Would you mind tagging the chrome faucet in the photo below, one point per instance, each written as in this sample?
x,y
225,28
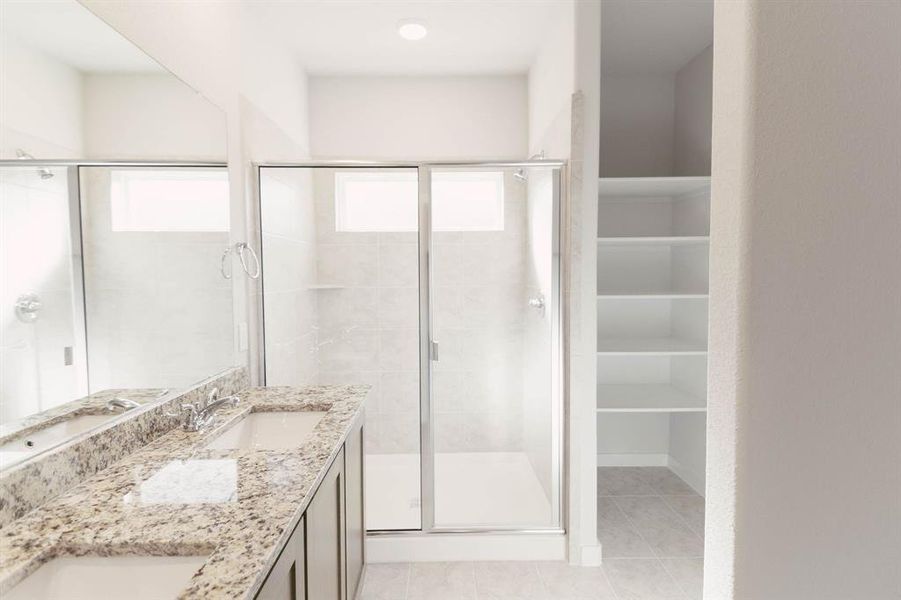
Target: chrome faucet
x,y
195,417
121,403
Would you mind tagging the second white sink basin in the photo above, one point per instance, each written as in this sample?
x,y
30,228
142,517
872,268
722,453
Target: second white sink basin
x,y
268,431
24,447
95,577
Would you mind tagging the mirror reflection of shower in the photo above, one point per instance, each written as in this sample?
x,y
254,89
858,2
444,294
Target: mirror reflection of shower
x,y
43,172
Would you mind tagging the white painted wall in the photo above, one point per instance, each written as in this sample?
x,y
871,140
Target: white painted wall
x,y
40,103
551,85
147,116
581,242
637,114
804,485
693,116
411,118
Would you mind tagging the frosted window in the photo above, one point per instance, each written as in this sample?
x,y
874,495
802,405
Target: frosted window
x,y
461,201
169,200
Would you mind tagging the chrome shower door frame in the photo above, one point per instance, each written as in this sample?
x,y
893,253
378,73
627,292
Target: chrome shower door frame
x,y
427,342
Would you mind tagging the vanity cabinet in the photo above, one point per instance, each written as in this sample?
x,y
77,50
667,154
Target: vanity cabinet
x,y
325,537
356,533
286,580
323,559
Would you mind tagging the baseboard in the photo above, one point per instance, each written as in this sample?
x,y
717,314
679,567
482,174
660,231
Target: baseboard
x,y
589,556
633,460
692,478
435,547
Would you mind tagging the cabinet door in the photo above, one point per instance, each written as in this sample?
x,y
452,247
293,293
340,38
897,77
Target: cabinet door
x,y
286,579
353,474
325,537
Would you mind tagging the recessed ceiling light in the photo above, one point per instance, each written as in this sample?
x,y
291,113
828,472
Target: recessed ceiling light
x,y
411,29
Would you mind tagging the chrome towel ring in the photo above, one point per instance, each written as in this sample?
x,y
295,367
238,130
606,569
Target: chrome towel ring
x,y
243,248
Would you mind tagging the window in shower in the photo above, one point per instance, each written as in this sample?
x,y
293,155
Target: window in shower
x,y
461,201
181,199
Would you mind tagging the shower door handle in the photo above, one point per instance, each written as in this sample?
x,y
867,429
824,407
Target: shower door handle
x,y
433,350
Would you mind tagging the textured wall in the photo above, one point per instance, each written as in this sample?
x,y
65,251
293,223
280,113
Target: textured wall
x,y
804,491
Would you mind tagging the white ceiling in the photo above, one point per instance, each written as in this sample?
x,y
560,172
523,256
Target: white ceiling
x,y
653,36
70,33
359,37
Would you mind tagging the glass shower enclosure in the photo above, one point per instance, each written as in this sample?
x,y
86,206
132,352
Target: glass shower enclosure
x,y
439,286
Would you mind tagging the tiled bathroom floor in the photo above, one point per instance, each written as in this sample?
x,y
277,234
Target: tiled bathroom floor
x,y
650,519
651,526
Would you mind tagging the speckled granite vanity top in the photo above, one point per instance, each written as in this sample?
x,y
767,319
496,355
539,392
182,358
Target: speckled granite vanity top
x,y
174,497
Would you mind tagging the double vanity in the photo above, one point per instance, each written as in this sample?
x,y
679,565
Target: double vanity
x,y
264,499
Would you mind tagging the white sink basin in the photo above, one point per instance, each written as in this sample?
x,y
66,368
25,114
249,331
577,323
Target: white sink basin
x,y
24,447
268,431
94,577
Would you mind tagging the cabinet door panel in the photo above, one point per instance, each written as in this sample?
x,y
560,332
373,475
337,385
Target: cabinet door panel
x,y
353,475
325,537
281,583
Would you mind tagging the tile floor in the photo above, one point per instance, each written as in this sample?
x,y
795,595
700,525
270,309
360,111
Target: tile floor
x,y
651,526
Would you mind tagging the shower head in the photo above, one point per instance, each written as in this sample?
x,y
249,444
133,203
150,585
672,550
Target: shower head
x,y
43,172
520,173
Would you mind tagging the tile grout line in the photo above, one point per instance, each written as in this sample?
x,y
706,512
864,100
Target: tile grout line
x,y
681,518
407,582
656,557
632,523
678,585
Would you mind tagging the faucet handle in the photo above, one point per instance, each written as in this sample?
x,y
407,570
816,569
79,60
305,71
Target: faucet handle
x,y
211,397
187,413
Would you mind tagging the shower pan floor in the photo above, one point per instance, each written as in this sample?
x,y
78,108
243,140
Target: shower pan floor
x,y
472,489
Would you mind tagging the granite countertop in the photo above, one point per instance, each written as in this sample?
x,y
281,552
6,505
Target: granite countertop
x,y
173,497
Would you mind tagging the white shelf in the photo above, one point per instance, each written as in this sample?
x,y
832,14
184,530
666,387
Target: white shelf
x,y
325,286
668,346
612,397
670,240
653,296
651,186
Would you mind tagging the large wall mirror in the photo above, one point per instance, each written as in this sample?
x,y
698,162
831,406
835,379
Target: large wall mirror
x,y
116,284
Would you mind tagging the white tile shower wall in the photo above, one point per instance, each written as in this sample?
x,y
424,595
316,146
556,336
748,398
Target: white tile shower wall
x,y
369,327
34,244
289,246
369,320
159,313
479,281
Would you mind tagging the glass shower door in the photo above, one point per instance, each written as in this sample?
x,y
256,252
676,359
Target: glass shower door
x,y
495,416
341,305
